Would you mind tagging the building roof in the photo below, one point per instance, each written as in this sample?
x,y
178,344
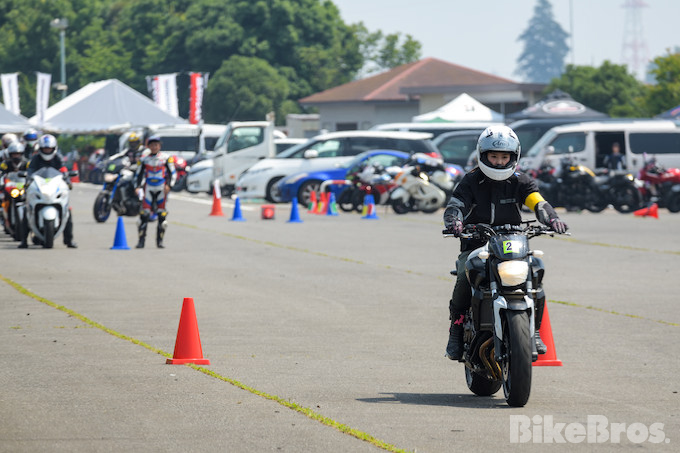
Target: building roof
x,y
393,85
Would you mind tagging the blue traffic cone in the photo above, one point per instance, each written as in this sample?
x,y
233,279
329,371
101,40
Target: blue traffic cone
x,y
332,208
294,215
237,216
120,241
369,207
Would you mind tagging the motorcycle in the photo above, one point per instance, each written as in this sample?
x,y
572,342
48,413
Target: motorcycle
x,y
573,187
182,168
13,204
620,189
506,279
418,191
373,180
660,185
118,193
47,196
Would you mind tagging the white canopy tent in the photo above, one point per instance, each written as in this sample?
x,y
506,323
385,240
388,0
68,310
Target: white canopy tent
x,y
462,108
9,122
104,107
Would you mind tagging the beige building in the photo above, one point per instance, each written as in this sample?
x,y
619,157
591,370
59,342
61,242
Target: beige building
x,y
397,95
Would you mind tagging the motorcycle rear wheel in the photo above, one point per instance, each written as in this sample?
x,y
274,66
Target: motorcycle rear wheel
x,y
625,199
48,243
102,207
345,200
516,367
400,207
480,385
673,203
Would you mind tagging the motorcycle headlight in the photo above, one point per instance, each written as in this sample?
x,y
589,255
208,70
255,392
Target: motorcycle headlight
x,y
14,193
110,177
513,273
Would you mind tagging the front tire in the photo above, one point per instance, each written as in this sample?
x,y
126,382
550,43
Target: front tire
x,y
49,234
516,367
673,203
102,207
399,206
625,199
480,385
345,199
273,195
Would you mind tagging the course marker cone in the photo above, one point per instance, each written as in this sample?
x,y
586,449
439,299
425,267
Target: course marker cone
x,y
369,208
237,216
120,241
76,178
651,211
332,207
550,357
217,200
312,203
294,215
323,201
188,344
268,212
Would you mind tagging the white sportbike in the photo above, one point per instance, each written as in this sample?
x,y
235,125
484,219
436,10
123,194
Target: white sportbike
x,y
47,198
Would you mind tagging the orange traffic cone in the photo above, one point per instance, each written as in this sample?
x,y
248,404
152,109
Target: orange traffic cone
x,y
76,178
188,343
217,200
550,357
652,211
323,203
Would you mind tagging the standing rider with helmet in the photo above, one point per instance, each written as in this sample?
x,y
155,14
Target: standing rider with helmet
x,y
48,157
155,176
492,193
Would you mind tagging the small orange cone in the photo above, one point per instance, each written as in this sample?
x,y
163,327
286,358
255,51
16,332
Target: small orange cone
x,y
76,178
323,203
217,201
652,211
550,357
188,344
312,202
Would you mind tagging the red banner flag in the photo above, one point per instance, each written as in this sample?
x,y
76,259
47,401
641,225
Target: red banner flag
x,y
198,83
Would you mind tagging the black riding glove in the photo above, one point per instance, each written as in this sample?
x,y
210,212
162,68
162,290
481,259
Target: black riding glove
x,y
547,216
452,222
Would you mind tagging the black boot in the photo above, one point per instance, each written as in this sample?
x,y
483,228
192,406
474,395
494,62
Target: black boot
x,y
541,348
160,232
140,243
68,233
454,348
143,222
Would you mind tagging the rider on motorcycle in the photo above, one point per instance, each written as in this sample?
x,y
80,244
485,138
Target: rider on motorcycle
x,y
491,193
155,176
14,162
30,140
132,154
48,157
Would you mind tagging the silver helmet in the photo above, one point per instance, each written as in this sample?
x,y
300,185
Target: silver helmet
x,y
502,139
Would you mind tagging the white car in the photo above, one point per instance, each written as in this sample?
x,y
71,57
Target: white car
x,y
324,151
200,176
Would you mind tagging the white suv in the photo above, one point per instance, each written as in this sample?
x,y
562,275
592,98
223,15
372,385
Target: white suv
x,y
324,151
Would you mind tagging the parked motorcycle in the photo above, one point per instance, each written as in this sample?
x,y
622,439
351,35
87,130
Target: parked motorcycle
x,y
373,179
660,185
13,204
572,187
620,189
118,192
182,168
419,191
506,279
47,196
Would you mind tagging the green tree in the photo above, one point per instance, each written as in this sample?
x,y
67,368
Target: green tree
x,y
665,94
609,89
244,88
545,46
382,52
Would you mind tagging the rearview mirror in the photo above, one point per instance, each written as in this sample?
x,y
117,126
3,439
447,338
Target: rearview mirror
x,y
311,154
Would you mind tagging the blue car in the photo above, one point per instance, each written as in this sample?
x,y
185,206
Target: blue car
x,y
301,185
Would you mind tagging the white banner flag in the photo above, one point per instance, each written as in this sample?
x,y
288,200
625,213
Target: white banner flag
x,y
10,92
42,98
163,88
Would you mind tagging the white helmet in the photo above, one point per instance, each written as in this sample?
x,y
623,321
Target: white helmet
x,y
48,146
502,139
7,139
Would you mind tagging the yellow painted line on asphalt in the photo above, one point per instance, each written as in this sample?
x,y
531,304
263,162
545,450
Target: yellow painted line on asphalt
x,y
286,403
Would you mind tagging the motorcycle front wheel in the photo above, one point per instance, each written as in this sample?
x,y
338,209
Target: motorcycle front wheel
x,y
480,385
102,207
625,199
673,203
399,206
516,366
345,200
48,243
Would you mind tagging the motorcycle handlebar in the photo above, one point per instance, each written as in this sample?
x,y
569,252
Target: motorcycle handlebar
x,y
485,231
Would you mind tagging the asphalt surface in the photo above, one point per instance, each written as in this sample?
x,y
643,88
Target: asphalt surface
x,y
325,335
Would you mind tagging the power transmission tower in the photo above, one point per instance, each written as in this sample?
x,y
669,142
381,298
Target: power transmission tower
x,y
634,51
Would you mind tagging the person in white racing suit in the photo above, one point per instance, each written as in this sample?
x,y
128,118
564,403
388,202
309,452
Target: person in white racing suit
x,y
154,178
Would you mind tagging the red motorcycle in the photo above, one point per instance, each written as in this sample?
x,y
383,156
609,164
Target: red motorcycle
x,y
661,185
370,180
182,169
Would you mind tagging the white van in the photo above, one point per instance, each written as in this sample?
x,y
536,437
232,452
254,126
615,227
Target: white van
x,y
242,145
435,128
188,140
588,143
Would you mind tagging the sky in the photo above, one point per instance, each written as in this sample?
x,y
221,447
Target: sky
x,y
482,34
